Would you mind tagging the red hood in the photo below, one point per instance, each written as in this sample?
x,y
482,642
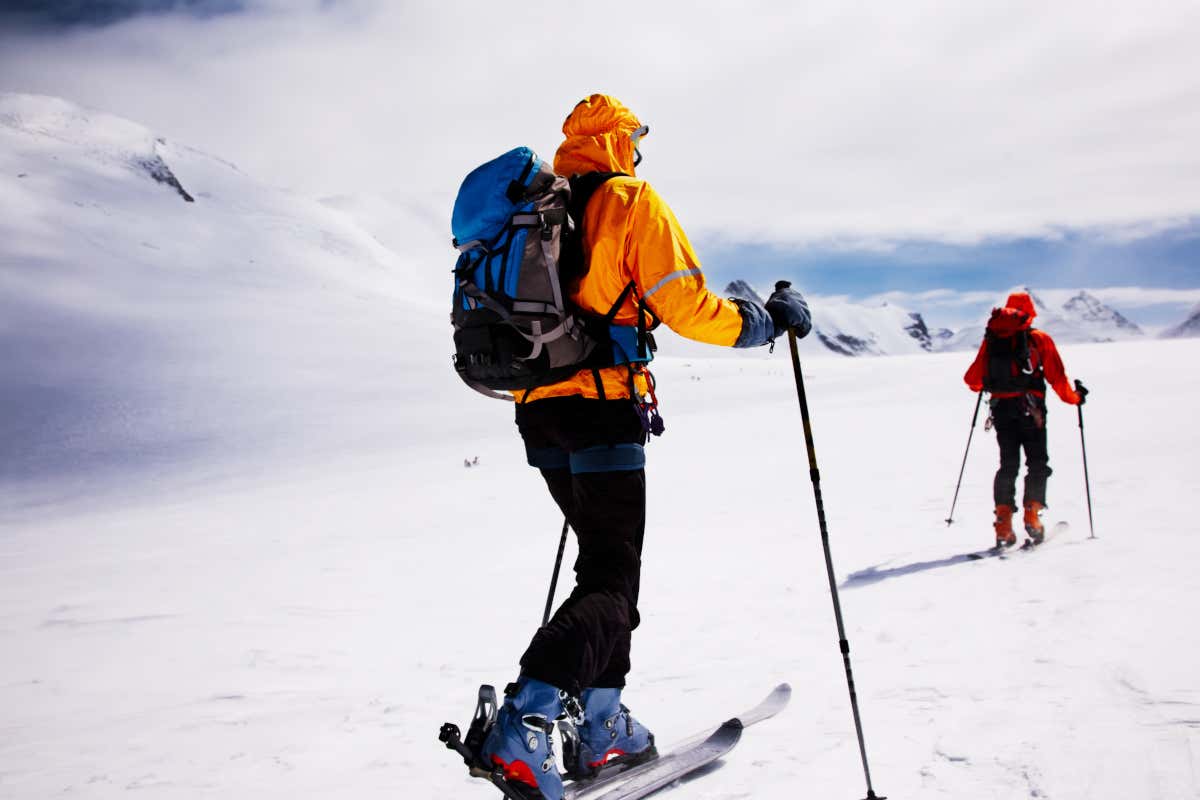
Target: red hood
x,y
1021,301
1017,315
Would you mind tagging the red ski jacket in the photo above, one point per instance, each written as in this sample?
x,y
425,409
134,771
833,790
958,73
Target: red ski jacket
x,y
1042,348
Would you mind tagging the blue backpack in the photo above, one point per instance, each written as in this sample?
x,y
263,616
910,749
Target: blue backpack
x,y
519,249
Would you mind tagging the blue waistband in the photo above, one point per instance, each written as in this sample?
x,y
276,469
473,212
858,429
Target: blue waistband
x,y
604,458
608,458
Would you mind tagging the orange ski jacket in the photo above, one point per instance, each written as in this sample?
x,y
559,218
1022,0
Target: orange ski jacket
x,y
1040,343
630,234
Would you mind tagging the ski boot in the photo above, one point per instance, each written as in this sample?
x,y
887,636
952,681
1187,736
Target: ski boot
x,y
1033,522
1005,537
519,742
609,735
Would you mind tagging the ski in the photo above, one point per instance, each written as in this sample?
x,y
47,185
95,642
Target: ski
x,y
624,781
653,775
1028,544
991,552
1058,529
684,759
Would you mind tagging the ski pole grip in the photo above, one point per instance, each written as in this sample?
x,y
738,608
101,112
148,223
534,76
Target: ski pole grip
x,y
1081,390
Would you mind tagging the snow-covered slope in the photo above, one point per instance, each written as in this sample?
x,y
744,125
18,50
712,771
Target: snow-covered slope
x,y
1188,328
138,326
305,633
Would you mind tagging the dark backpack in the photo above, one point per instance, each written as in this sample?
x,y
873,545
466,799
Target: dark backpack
x,y
1013,366
517,226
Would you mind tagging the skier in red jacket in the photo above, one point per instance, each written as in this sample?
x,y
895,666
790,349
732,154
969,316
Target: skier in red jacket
x,y
1014,364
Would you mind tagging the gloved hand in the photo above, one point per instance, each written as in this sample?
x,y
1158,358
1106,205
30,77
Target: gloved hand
x,y
1081,390
788,310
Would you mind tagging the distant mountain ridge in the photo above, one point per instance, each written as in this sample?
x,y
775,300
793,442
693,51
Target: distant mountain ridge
x,y
856,329
1187,329
1082,318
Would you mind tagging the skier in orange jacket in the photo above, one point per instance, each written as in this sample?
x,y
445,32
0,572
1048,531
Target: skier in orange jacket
x,y
1014,363
586,435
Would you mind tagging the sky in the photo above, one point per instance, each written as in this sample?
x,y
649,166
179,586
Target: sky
x,y
857,149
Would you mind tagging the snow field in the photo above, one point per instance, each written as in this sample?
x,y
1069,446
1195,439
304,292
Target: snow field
x,y
306,633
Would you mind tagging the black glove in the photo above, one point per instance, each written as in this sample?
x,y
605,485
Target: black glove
x,y
788,310
1081,390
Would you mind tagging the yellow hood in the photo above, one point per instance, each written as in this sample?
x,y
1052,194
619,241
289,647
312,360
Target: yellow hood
x,y
597,138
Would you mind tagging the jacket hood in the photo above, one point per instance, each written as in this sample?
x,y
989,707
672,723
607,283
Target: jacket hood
x,y
1021,301
597,135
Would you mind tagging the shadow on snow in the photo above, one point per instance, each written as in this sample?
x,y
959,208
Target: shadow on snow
x,y
870,575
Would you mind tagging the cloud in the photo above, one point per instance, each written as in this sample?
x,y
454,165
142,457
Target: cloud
x,y
66,13
943,299
775,122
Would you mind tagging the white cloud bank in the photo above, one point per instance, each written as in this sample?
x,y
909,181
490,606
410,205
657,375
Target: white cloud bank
x,y
792,122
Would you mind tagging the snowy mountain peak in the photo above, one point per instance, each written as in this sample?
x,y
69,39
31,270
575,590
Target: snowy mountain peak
x,y
1189,328
1088,310
110,143
743,291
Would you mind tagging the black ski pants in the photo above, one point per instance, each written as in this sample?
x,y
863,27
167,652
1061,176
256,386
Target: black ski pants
x,y
590,455
1016,429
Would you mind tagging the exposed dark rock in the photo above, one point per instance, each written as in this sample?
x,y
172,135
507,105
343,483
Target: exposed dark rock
x,y
157,168
846,345
919,331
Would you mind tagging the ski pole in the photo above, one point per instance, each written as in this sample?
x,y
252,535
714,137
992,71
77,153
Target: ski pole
x,y
562,543
962,469
1087,484
843,643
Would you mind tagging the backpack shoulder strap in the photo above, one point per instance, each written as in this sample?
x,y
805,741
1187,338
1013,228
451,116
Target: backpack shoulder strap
x,y
573,263
582,189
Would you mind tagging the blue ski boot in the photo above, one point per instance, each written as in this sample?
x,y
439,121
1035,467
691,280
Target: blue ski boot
x,y
609,734
519,742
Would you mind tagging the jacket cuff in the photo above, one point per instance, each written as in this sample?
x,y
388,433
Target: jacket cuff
x,y
757,327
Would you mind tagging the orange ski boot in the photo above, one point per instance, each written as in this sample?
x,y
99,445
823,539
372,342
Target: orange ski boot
x,y
1003,525
1033,522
